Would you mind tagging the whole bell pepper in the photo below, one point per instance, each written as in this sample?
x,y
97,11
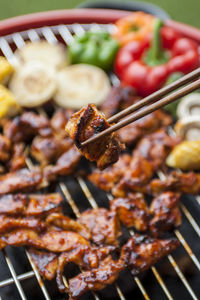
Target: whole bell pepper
x,y
146,65
94,48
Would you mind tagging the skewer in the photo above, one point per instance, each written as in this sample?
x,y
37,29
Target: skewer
x,y
147,110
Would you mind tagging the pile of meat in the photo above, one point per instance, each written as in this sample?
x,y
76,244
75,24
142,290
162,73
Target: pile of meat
x,y
36,220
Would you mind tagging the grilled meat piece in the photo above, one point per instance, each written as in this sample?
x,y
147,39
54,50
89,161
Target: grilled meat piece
x,y
107,179
5,148
166,213
95,279
18,158
185,183
64,222
142,251
64,166
53,241
24,127
8,223
22,237
47,150
148,156
156,147
30,205
132,211
46,263
85,257
39,205
137,174
60,119
131,133
13,204
118,99
21,180
86,123
103,225
62,241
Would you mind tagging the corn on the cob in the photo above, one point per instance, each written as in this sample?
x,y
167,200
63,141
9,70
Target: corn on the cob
x,y
6,70
8,104
185,156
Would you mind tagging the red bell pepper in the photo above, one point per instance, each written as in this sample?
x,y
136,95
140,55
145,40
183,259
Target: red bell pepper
x,y
147,65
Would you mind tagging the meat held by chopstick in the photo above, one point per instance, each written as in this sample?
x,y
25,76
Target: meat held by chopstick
x,y
21,180
166,213
142,251
131,133
37,205
85,124
103,225
46,263
132,211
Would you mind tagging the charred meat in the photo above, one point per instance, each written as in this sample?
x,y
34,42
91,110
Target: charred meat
x,y
166,213
132,211
85,124
142,251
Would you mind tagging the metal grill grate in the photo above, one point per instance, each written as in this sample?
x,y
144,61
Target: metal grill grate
x,y
185,288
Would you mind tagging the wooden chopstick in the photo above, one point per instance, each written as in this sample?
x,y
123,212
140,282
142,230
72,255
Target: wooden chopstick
x,y
147,110
155,96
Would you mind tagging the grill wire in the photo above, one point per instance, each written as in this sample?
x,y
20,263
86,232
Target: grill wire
x,y
185,290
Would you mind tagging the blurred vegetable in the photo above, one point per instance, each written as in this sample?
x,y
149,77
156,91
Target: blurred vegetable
x,y
50,54
135,27
33,84
94,48
188,128
185,156
6,70
172,107
8,104
190,105
147,68
81,84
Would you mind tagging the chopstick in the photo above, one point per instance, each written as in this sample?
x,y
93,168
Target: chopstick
x,y
149,109
157,95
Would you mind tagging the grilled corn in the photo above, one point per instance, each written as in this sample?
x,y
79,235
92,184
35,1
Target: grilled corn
x,y
185,156
6,70
8,104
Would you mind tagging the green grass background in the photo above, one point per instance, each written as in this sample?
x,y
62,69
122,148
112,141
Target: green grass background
x,y
187,11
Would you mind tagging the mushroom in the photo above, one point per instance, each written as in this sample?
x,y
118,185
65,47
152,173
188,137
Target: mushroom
x,y
189,128
189,106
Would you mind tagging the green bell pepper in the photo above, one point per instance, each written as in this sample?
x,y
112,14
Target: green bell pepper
x,y
94,48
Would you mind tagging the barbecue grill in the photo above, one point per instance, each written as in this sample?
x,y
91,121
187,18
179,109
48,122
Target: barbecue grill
x,y
177,276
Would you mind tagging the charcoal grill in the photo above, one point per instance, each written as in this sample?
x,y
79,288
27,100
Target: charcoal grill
x,y
175,277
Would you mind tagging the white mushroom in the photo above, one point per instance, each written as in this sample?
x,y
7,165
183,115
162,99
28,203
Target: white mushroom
x,y
189,106
189,128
